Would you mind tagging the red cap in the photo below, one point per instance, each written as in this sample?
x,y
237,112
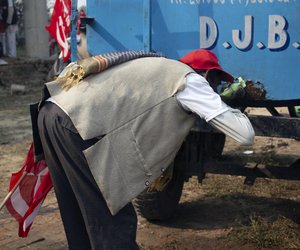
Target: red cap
x,y
205,60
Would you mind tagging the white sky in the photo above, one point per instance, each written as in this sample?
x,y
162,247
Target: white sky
x,y
81,3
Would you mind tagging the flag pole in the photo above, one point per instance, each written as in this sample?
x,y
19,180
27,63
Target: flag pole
x,y
11,192
74,27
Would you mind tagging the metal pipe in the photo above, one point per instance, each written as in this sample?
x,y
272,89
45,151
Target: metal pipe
x,y
74,27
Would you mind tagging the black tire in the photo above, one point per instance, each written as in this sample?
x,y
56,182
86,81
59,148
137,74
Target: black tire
x,y
214,144
155,205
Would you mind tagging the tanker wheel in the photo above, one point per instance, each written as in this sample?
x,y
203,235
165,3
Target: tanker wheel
x,y
156,205
160,205
214,144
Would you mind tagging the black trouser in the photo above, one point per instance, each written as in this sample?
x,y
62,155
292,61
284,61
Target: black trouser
x,y
87,220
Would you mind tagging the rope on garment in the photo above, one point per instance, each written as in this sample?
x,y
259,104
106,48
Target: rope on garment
x,y
76,71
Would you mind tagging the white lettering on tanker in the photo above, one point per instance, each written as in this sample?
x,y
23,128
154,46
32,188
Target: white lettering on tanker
x,y
277,37
237,34
208,32
243,39
244,2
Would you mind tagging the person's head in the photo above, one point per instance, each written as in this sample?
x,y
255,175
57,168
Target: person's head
x,y
206,63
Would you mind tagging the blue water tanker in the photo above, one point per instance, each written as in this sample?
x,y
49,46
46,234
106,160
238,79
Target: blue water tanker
x,y
258,40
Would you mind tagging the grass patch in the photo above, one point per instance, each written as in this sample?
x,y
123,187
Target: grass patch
x,y
281,233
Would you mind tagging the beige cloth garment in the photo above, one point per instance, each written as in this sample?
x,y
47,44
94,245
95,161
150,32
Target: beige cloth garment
x,y
133,105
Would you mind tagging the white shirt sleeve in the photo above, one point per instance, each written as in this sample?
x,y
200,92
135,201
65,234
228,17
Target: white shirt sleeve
x,y
236,125
198,97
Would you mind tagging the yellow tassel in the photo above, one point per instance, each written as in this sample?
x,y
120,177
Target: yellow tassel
x,y
70,76
162,181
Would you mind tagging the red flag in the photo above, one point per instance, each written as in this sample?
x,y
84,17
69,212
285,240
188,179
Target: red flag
x,y
60,26
31,183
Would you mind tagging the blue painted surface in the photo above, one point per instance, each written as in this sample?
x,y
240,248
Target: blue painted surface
x,y
175,30
74,26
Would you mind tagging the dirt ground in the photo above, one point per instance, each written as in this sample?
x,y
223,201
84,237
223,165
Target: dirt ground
x,y
221,213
